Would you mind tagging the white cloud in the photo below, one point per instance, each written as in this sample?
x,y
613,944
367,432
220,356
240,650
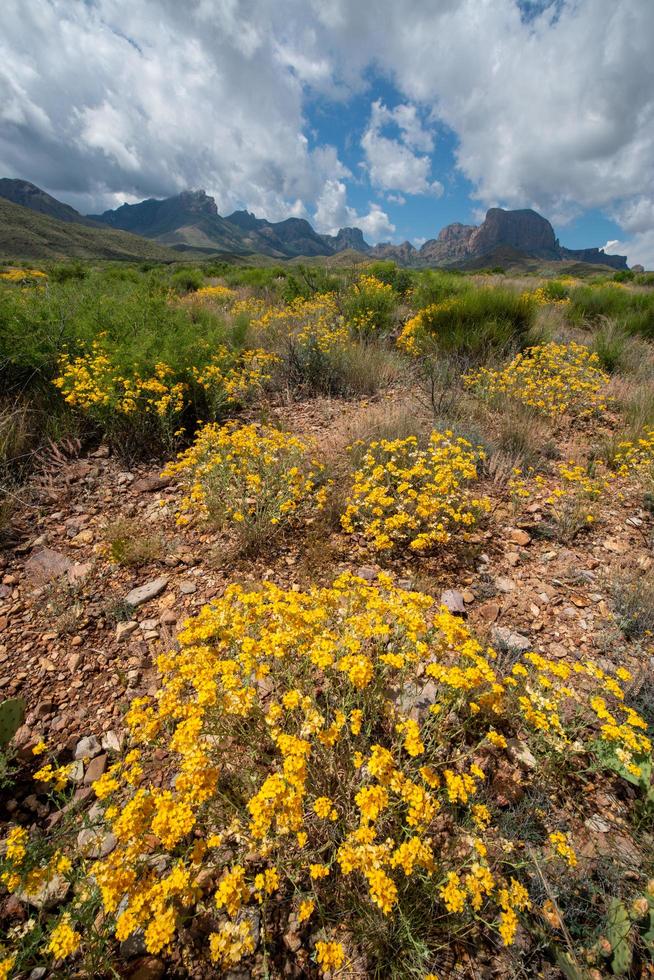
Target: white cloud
x,y
392,163
333,212
110,100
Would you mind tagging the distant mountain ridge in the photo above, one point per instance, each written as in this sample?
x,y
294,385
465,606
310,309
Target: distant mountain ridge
x,y
190,220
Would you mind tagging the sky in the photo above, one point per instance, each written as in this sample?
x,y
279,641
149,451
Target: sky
x,y
398,118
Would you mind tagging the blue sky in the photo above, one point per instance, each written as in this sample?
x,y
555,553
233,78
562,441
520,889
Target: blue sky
x,y
398,118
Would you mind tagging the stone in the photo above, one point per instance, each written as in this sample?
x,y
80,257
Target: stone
x,y
168,617
76,771
149,968
517,536
453,602
125,630
520,753
133,946
146,592
415,701
596,823
78,572
112,741
46,565
187,588
49,896
37,973
95,769
87,747
83,537
503,584
367,573
507,640
95,844
150,483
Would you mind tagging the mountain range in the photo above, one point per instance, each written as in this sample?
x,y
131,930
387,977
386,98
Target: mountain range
x,y
190,221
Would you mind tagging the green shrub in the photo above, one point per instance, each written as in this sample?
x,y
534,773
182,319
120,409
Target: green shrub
x,y
473,323
634,311
434,286
187,280
393,275
67,271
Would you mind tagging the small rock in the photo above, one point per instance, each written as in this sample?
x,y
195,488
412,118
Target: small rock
x,y
150,483
133,946
518,536
149,969
78,572
503,584
146,592
49,896
187,588
83,537
520,753
367,573
94,844
87,747
46,565
453,602
168,617
505,639
95,769
597,824
112,742
37,973
123,630
76,771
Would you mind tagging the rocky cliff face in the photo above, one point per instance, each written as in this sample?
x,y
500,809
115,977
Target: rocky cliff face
x,y
347,238
525,230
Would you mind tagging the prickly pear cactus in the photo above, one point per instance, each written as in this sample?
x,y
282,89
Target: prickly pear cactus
x,y
12,713
618,927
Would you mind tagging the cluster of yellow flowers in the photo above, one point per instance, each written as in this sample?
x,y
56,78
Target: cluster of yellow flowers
x,y
91,382
315,322
220,295
300,772
22,275
404,495
555,379
367,291
230,377
254,478
635,457
548,295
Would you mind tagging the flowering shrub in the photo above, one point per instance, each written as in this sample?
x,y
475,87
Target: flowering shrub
x,y
555,379
569,500
635,457
129,406
22,275
552,293
252,479
229,378
119,402
407,496
221,295
302,779
369,307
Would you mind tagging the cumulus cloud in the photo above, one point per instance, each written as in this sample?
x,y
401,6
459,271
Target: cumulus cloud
x,y
333,212
551,104
393,164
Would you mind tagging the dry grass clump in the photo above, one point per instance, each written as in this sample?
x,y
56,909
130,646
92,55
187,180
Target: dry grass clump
x,y
132,543
633,597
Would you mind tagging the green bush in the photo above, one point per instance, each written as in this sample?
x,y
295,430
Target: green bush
x,y
474,323
393,275
634,311
187,280
369,307
434,286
